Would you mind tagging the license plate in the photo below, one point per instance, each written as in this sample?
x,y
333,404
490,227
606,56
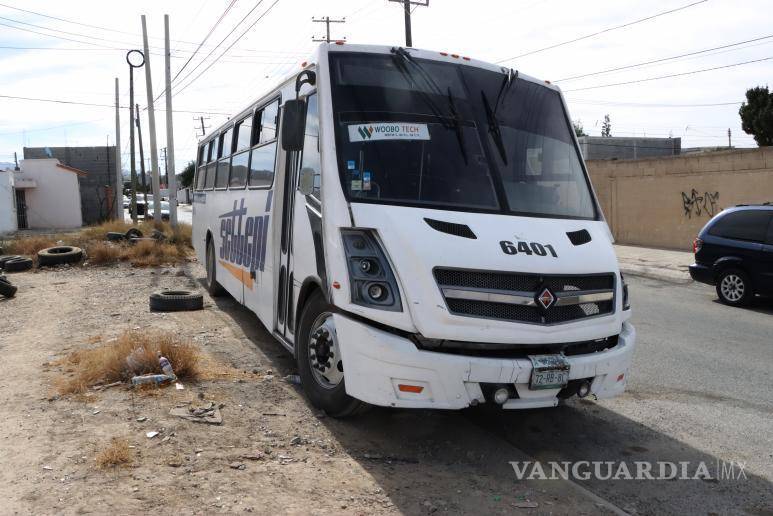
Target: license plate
x,y
548,372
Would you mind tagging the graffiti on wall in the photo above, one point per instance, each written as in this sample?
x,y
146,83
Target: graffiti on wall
x,y
698,204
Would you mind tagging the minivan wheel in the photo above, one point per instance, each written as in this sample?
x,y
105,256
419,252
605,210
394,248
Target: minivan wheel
x,y
318,355
213,287
734,287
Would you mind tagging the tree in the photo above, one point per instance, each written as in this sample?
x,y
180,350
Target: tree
x,y
757,115
579,130
606,127
186,176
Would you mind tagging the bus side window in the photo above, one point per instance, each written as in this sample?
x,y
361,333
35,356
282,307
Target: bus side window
x,y
209,180
268,122
311,158
224,164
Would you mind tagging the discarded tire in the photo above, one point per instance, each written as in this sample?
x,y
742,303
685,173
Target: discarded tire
x,y
176,301
7,257
158,235
17,264
59,255
6,289
115,236
133,233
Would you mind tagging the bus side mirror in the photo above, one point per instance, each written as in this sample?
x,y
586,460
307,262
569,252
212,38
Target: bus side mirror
x,y
293,125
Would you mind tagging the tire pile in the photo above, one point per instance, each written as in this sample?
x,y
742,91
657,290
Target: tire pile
x,y
58,255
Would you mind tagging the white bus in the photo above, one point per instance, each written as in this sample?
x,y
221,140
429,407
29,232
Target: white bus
x,y
419,230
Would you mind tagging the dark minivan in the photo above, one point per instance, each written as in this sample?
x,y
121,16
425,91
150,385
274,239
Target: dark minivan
x,y
734,252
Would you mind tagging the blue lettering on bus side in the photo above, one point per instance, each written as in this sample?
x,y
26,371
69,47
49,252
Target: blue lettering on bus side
x,y
243,239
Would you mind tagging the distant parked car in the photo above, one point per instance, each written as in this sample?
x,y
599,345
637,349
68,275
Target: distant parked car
x,y
734,252
126,202
164,210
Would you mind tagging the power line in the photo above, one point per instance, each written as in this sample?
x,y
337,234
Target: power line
x,y
610,29
221,42
669,75
230,46
327,21
662,59
225,12
641,105
112,106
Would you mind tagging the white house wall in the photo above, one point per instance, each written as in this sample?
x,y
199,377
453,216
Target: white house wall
x,y
7,203
55,201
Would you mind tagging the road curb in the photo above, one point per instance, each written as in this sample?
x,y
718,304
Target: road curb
x,y
660,274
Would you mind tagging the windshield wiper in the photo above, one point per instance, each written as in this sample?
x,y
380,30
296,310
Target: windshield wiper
x,y
491,114
454,117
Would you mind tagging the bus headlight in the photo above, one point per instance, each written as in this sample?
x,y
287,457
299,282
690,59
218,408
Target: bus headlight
x,y
372,281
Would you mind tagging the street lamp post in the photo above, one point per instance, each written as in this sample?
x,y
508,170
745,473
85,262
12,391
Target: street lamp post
x,y
136,59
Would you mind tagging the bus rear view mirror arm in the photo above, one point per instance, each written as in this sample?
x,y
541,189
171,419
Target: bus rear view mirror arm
x,y
293,122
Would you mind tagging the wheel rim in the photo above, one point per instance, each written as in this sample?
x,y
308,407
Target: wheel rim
x,y
732,287
324,352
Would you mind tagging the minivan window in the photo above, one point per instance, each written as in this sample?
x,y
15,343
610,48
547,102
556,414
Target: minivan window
x,y
748,225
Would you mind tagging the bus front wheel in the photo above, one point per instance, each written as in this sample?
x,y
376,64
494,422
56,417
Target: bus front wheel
x,y
318,355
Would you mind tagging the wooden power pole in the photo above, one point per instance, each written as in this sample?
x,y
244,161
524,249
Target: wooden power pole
x,y
407,8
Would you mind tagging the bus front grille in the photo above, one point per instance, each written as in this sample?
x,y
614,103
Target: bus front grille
x,y
515,297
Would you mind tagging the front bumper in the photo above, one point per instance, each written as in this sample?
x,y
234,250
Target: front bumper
x,y
376,362
702,273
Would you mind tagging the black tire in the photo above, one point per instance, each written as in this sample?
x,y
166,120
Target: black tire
x,y
176,301
59,255
734,287
17,264
6,289
7,257
115,236
133,233
214,288
332,399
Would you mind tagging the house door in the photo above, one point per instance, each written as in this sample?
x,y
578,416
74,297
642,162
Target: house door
x,y
21,209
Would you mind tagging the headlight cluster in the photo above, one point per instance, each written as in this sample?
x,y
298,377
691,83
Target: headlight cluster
x,y
626,299
372,281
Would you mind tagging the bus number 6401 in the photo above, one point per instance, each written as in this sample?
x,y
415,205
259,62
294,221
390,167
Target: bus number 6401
x,y
527,248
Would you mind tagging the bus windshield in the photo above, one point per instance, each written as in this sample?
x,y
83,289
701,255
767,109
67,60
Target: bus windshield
x,y
440,135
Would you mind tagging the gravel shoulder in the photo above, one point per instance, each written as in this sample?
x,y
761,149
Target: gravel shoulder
x,y
272,454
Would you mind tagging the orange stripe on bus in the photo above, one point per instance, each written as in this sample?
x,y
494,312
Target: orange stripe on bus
x,y
237,272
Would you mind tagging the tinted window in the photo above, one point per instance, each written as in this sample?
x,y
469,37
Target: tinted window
x,y
225,143
311,158
749,225
210,149
262,165
243,133
268,122
215,146
201,154
200,177
209,182
239,164
223,167
769,239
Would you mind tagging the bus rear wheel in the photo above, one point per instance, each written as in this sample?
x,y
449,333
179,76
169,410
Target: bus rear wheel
x,y
213,287
318,355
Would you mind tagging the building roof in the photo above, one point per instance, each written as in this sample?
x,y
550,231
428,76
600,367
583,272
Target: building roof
x,y
72,169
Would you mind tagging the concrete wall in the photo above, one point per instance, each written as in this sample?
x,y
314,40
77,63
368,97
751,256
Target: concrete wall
x,y
97,185
664,202
7,203
55,202
599,147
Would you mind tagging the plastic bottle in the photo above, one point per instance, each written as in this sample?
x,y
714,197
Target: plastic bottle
x,y
151,378
166,367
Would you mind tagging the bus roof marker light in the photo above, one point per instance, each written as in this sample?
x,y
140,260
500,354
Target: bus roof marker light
x,y
444,53
465,58
455,56
336,285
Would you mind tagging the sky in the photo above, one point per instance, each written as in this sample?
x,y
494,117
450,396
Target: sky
x,y
74,50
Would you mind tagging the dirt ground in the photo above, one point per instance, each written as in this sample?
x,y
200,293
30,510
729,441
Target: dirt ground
x,y
273,453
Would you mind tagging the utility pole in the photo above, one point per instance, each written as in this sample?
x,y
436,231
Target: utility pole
x,y
135,59
166,168
729,143
142,162
407,8
327,21
118,174
151,127
171,184
203,127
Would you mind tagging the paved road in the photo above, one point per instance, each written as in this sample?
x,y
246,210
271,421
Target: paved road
x,y
700,390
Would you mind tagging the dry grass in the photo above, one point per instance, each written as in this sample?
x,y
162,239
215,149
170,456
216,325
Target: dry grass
x,y
28,246
107,363
99,251
117,453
